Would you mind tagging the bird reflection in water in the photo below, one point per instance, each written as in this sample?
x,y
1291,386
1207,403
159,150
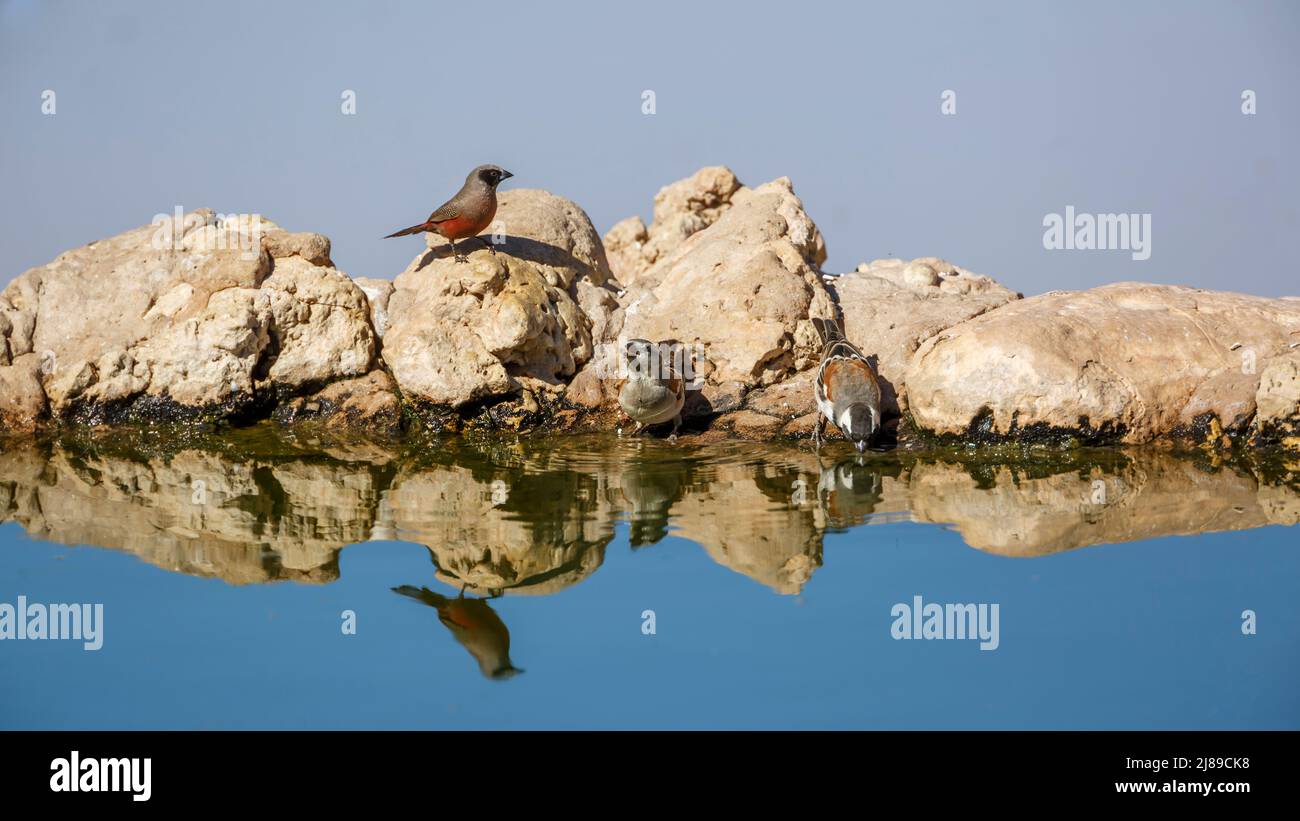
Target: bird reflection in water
x,y
848,490
475,625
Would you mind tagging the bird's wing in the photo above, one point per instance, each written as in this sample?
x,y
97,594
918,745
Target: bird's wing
x,y
849,377
446,211
675,386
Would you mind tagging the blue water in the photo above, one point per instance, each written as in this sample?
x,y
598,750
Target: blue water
x,y
1135,635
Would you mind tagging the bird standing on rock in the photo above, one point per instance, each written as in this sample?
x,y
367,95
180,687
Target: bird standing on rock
x,y
466,214
653,392
846,389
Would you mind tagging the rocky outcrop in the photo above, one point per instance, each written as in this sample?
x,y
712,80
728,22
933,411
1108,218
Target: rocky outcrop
x,y
1122,363
209,319
189,318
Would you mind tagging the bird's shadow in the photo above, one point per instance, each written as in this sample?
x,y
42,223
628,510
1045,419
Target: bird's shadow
x,y
523,248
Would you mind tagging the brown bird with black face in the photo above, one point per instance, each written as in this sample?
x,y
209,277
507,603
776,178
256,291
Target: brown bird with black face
x,y
466,214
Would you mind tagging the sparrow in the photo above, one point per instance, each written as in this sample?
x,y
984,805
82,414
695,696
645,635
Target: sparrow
x,y
466,214
475,625
653,392
846,389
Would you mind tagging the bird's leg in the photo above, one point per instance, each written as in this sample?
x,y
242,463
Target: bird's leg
x,y
492,248
677,423
817,431
457,255
637,430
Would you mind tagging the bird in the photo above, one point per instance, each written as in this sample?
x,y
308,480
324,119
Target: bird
x,y
653,391
846,389
466,214
475,625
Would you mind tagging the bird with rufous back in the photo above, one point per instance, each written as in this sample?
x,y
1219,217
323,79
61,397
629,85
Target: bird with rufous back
x,y
468,213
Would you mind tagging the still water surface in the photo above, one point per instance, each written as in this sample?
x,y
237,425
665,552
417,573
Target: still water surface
x,y
529,575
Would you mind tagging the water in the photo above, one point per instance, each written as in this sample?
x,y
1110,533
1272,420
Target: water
x,y
225,567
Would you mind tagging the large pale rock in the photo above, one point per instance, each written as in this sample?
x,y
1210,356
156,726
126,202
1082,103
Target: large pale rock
x,y
1127,362
681,209
738,294
463,332
189,316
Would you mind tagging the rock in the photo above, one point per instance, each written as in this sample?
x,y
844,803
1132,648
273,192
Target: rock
x,y
738,294
681,210
1128,362
22,399
750,424
367,402
625,244
461,333
1277,402
313,248
191,317
378,292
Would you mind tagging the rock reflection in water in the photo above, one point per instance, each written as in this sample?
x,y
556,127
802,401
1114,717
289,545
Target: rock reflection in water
x,y
535,516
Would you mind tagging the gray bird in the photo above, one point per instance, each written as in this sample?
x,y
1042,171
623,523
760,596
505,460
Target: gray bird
x,y
653,392
466,214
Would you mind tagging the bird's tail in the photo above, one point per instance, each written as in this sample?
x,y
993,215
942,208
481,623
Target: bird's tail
x,y
414,229
829,329
421,594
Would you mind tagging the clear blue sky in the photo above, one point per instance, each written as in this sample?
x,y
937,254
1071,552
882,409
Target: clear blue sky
x,y
1106,106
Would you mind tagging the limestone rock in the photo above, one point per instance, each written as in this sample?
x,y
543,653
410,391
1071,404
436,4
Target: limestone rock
x,y
738,295
1277,402
368,402
681,209
1128,362
378,292
190,316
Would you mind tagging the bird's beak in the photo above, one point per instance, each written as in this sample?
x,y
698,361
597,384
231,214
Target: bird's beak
x,y
861,445
505,175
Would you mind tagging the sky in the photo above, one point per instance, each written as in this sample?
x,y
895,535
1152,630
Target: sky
x,y
1104,107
